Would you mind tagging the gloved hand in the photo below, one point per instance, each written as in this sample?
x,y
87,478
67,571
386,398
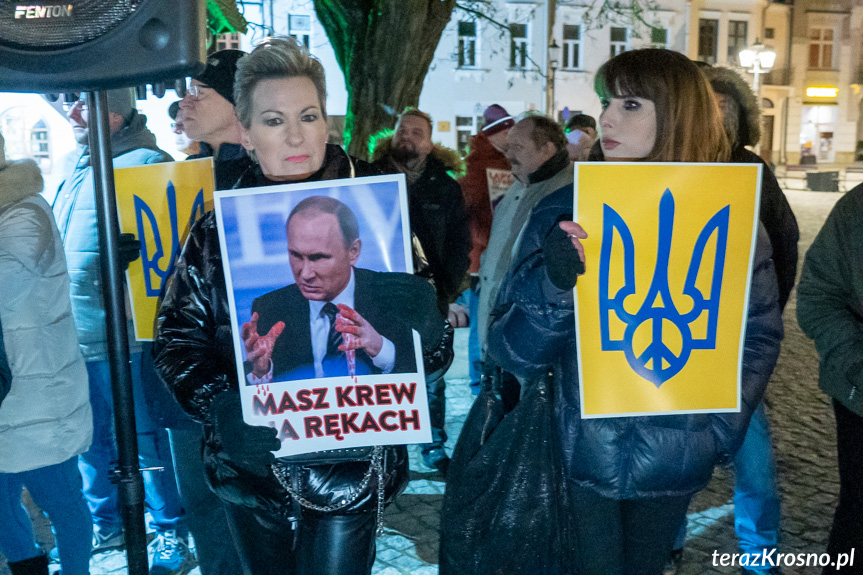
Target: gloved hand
x,y
248,446
562,262
129,248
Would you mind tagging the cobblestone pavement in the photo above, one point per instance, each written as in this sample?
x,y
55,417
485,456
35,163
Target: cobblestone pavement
x,y
804,436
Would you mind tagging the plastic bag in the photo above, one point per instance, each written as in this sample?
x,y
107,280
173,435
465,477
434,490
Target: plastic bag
x,y
505,511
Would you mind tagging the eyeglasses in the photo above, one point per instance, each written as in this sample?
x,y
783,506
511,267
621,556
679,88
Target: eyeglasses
x,y
197,93
80,104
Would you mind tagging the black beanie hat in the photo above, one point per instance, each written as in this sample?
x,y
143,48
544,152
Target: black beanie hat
x,y
219,73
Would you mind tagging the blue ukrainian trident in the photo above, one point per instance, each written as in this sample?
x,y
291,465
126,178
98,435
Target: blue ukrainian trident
x,y
666,328
156,265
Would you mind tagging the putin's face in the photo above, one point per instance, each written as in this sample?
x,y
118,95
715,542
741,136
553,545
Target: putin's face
x,y
319,258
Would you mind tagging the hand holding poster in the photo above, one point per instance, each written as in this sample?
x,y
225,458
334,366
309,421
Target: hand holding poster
x,y
325,351
158,203
661,310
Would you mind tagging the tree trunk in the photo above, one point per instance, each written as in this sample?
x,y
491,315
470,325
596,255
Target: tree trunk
x,y
384,48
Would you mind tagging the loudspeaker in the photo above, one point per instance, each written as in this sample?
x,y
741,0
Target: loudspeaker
x,y
86,45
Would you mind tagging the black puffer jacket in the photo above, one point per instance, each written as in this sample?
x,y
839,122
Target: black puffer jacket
x,y
533,332
195,357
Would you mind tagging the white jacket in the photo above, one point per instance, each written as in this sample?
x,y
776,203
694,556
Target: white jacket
x,y
46,417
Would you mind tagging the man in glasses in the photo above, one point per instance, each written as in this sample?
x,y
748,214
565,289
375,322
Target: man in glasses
x,y
209,117
132,144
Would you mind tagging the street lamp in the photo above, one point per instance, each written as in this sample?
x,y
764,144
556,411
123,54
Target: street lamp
x,y
553,61
758,59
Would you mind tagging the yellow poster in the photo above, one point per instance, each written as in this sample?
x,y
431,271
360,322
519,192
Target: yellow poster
x,y
661,308
159,203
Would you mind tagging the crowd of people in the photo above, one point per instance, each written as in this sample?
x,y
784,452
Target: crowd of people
x,y
494,250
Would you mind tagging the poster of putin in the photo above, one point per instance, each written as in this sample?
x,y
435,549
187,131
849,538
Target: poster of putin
x,y
324,347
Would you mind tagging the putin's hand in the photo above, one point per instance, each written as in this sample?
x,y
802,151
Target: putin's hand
x,y
259,348
366,336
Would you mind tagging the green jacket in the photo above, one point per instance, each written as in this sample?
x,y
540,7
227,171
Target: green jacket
x,y
830,301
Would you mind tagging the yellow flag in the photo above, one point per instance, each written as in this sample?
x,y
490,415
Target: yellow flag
x,y
159,203
661,309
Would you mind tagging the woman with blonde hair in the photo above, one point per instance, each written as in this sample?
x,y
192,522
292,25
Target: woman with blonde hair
x,y
316,515
630,479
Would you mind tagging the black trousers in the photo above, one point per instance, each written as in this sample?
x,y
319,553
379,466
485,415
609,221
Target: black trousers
x,y
624,537
327,544
847,531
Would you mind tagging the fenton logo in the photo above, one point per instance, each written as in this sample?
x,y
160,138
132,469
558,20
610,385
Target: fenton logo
x,y
37,12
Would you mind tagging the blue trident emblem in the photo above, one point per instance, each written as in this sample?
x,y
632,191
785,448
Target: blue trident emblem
x,y
151,262
658,362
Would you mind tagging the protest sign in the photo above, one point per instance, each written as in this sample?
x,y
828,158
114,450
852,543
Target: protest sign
x,y
300,260
661,310
158,203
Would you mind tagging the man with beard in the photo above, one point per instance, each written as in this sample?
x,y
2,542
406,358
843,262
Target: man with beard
x,y
440,222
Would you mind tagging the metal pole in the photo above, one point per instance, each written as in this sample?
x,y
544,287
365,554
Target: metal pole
x,y
127,476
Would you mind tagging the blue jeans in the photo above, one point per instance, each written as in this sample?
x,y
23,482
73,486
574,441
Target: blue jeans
x,y
56,489
160,487
474,354
756,498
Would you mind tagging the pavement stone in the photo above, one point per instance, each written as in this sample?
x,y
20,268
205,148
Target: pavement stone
x,y
804,437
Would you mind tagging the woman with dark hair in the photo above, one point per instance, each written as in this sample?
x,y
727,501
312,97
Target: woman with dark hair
x,y
286,516
630,479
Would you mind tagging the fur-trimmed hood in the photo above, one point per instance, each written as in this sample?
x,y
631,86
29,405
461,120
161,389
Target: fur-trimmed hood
x,y
446,156
19,180
728,82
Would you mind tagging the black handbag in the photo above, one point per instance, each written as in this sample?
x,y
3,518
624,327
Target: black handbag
x,y
506,509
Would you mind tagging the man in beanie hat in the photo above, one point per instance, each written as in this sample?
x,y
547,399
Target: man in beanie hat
x,y
209,117
488,176
132,144
580,135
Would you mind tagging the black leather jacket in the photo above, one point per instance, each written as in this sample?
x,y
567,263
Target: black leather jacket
x,y
195,357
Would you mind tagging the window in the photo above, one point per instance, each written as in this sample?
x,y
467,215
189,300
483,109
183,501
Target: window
x,y
571,46
737,39
300,28
769,33
659,37
466,44
821,48
518,56
229,41
619,41
466,127
708,34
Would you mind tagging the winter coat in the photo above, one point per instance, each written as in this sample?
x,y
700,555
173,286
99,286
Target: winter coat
x,y
195,357
231,163
779,221
45,419
776,214
830,301
483,156
533,332
510,217
438,217
75,212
